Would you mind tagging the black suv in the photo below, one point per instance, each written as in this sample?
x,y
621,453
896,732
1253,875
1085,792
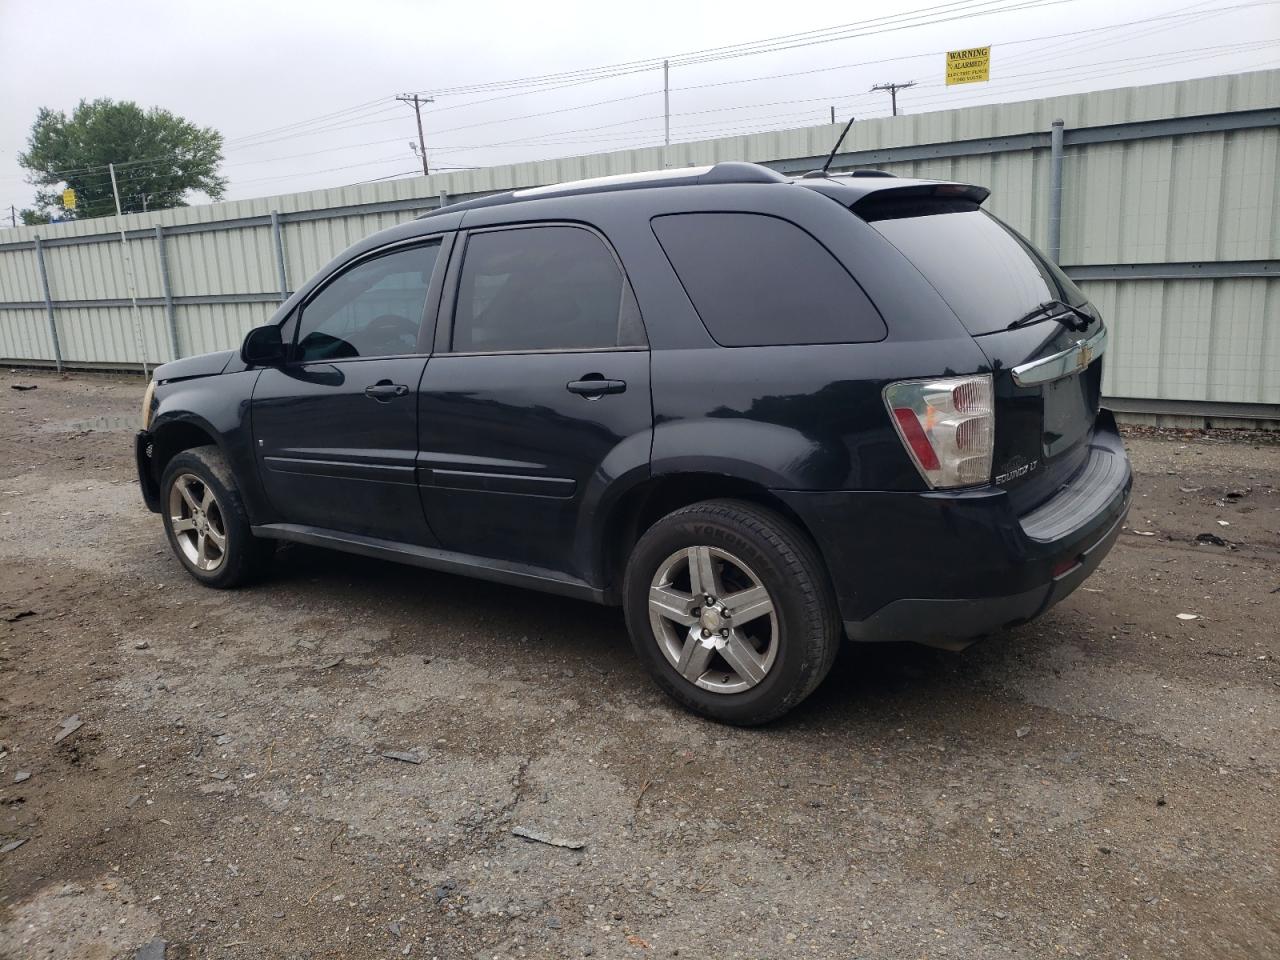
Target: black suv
x,y
761,413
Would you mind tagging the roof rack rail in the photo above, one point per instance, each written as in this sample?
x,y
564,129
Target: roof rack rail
x,y
739,171
726,171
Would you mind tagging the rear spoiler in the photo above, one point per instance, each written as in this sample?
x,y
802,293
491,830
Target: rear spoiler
x,y
889,195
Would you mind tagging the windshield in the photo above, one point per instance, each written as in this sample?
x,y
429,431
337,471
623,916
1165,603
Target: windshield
x,y
988,274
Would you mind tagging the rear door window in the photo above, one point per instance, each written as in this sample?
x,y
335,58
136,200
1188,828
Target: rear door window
x,y
542,288
988,273
758,280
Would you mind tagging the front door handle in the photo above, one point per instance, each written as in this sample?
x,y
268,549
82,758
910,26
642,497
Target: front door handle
x,y
384,390
594,386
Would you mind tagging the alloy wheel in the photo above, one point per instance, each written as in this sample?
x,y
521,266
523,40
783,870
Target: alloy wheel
x,y
197,522
713,619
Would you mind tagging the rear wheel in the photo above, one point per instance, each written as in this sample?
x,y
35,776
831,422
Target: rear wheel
x,y
729,606
205,520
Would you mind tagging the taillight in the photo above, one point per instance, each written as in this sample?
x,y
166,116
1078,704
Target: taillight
x,y
947,425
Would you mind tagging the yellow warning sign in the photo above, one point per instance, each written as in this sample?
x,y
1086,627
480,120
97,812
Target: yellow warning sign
x,y
68,199
969,66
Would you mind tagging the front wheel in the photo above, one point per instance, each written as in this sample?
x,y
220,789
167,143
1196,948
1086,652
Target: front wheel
x,y
729,606
206,522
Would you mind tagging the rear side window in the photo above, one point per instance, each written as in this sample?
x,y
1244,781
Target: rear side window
x,y
542,288
756,280
988,273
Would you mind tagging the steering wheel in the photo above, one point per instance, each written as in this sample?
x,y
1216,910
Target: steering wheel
x,y
392,329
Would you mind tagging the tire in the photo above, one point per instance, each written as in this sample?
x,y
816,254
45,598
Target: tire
x,y
213,506
748,547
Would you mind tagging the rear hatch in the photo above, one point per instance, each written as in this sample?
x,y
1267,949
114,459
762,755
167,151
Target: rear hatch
x,y
995,281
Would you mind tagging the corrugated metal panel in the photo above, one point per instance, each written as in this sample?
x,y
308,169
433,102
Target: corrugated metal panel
x,y
99,272
1213,340
19,277
112,334
24,335
230,261
203,328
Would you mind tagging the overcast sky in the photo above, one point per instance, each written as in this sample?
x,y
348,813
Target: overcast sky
x,y
247,68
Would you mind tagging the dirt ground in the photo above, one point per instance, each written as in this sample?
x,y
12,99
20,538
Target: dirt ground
x,y
1101,783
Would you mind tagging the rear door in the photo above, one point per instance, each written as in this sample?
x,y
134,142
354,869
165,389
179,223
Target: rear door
x,y
537,396
1048,372
336,427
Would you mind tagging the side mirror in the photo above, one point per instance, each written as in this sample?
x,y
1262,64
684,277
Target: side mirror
x,y
263,347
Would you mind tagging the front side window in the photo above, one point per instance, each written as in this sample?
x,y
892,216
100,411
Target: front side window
x,y
542,288
374,309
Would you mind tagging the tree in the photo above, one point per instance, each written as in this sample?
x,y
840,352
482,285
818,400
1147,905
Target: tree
x,y
159,157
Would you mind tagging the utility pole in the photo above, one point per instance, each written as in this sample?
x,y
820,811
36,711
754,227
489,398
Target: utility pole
x,y
417,102
13,215
666,103
128,266
833,115
893,89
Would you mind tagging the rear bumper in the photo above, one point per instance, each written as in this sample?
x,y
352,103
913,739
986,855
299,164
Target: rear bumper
x,y
944,568
142,451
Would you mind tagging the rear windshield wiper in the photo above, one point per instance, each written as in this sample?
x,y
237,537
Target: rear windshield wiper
x,y
1068,311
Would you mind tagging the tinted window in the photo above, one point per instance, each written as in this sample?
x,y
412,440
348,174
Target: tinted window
x,y
757,280
988,274
372,310
542,288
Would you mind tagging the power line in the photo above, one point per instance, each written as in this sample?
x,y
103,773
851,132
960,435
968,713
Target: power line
x,y
362,114
883,24
1073,33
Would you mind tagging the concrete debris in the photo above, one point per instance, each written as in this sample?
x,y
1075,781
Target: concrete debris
x,y
402,756
69,726
21,775
527,834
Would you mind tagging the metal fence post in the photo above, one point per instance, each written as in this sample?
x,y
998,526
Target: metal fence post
x,y
167,291
277,234
48,304
1055,191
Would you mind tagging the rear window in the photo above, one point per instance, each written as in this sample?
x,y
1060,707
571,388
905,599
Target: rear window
x,y
988,273
756,280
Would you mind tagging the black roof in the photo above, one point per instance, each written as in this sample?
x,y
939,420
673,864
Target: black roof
x,y
853,186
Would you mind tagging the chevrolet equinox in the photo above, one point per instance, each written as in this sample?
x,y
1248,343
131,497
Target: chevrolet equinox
x,y
762,414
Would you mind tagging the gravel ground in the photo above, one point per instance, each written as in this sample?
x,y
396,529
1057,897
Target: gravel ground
x,y
1101,783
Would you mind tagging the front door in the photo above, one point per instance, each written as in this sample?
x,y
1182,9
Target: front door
x,y
336,428
537,397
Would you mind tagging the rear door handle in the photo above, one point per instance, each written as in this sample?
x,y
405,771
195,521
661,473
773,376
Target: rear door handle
x,y
594,386
384,390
